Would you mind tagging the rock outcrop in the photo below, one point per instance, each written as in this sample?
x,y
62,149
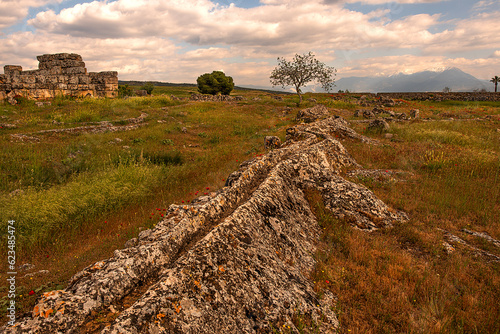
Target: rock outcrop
x,y
214,98
57,74
233,262
312,114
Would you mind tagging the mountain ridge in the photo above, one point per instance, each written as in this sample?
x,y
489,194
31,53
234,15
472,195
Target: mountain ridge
x,y
425,81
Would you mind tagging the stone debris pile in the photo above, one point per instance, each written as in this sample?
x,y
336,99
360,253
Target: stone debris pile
x,y
57,74
234,262
214,98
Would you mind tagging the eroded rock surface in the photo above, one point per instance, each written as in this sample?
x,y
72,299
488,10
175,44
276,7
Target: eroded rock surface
x,y
312,114
234,262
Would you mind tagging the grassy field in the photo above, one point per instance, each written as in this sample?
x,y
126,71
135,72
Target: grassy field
x,y
74,197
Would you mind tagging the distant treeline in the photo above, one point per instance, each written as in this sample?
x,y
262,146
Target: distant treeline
x,y
169,84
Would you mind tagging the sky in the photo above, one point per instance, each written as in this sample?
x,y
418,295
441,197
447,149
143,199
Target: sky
x,y
178,40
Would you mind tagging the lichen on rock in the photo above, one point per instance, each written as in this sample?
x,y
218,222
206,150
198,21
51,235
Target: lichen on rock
x,y
234,262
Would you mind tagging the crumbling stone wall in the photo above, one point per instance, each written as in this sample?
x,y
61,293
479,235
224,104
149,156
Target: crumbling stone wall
x,y
57,74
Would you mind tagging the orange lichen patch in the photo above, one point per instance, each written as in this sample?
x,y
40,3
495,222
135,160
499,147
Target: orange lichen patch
x,y
53,293
197,283
177,307
96,267
48,312
221,269
36,311
160,315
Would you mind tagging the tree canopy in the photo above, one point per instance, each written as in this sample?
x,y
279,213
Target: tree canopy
x,y
495,80
215,83
148,87
302,70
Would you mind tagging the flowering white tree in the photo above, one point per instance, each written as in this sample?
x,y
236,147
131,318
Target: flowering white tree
x,y
302,70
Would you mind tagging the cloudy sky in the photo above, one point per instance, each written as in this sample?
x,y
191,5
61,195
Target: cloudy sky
x,y
178,40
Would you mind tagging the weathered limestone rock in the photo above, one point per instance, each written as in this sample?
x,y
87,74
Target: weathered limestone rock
x,y
233,262
272,142
378,125
415,113
388,102
312,114
368,114
401,116
57,74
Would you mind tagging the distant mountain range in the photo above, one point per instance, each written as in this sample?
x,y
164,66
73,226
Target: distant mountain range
x,y
426,81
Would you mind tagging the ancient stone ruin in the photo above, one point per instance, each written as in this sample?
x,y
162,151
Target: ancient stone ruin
x,y
57,74
235,261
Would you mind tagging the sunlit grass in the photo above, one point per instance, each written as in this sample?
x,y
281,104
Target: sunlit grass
x,y
80,196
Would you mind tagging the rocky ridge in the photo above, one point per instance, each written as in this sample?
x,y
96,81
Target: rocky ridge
x,y
234,262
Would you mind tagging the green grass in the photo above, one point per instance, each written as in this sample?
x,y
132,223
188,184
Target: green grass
x,y
80,196
69,180
46,218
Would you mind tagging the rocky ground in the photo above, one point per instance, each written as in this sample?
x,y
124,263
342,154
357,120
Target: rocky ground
x,y
233,261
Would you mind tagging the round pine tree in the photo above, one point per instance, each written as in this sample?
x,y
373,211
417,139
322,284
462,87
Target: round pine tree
x,y
215,83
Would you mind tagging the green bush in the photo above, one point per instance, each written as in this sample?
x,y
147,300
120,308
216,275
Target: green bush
x,y
125,90
215,83
148,87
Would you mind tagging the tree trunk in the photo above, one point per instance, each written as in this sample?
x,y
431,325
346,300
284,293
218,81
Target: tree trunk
x,y
496,84
300,96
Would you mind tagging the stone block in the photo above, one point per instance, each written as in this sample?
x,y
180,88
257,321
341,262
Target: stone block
x,y
74,70
110,87
58,56
30,79
83,79
52,79
108,74
12,69
55,70
73,80
71,63
62,86
17,85
111,80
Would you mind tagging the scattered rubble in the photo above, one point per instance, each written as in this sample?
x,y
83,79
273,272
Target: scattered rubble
x,y
312,114
378,125
214,98
104,126
454,239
